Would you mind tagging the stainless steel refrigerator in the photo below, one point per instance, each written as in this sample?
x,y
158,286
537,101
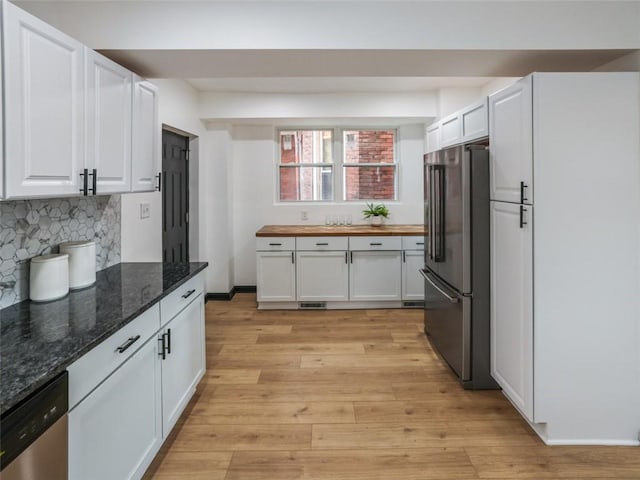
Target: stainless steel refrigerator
x,y
456,272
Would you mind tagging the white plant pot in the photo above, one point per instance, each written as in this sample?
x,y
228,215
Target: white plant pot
x,y
376,220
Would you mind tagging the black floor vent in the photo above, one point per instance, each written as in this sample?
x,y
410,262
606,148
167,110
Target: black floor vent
x,y
313,305
414,304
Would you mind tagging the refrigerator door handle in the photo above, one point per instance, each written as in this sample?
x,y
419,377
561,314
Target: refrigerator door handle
x,y
434,285
439,250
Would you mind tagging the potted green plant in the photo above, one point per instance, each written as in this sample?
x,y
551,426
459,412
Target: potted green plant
x,y
375,213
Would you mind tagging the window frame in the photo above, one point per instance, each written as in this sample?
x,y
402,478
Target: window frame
x,y
338,166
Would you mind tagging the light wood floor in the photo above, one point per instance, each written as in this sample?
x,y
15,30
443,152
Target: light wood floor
x,y
350,395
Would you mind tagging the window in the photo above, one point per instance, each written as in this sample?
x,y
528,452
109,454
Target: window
x,y
306,165
369,165
365,160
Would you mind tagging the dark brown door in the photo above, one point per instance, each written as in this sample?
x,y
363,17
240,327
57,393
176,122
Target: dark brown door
x,y
175,197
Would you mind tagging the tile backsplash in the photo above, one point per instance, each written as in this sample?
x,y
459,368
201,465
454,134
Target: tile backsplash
x,y
29,228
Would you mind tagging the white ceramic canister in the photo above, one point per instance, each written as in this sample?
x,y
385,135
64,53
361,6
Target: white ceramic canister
x,y
82,263
49,277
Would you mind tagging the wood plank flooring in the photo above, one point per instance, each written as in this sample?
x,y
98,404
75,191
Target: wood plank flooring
x,y
352,395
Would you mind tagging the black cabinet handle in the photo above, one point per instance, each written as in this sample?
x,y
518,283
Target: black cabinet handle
x,y
404,257
375,244
127,344
159,184
168,341
346,258
189,293
522,212
85,181
351,257
419,243
293,258
275,244
322,244
162,347
94,174
523,186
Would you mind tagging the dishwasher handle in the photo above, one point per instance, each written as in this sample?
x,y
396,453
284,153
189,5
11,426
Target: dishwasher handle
x,y
434,285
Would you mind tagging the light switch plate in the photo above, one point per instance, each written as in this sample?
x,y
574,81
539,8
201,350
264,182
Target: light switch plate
x,y
145,210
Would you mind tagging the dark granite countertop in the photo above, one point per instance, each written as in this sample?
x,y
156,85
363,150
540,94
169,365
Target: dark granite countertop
x,y
40,340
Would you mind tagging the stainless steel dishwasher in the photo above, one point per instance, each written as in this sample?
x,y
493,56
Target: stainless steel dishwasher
x,y
33,438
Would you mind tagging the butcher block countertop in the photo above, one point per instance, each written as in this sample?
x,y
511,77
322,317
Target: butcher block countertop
x,y
338,230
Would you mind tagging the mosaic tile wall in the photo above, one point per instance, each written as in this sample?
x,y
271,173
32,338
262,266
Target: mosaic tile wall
x,y
29,228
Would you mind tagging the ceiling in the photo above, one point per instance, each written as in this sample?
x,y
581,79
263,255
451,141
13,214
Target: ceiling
x,y
324,71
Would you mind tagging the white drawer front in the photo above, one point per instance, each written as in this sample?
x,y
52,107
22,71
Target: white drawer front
x,y
413,242
274,244
322,243
92,368
173,303
375,243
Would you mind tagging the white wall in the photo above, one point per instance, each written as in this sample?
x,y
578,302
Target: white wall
x,y
254,191
453,99
142,239
241,106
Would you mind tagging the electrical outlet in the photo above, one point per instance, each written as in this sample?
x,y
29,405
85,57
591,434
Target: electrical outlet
x,y
145,210
304,215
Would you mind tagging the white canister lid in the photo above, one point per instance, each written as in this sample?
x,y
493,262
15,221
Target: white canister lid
x,y
77,244
52,257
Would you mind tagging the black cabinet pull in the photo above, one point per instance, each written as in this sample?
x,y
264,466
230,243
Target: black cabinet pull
x,y
168,341
293,258
523,186
322,244
85,181
419,243
346,258
275,244
189,293
375,244
127,344
162,347
94,174
522,212
351,257
404,257
159,184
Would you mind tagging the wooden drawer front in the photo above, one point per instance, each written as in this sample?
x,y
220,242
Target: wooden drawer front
x,y
274,244
322,243
413,242
92,368
375,243
186,293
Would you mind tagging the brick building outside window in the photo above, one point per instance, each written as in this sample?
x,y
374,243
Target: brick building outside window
x,y
359,163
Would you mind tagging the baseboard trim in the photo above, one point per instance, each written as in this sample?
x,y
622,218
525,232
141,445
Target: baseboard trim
x,y
228,296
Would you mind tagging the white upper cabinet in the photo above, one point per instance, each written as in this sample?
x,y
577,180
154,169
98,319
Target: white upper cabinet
x,y
450,130
511,153
108,123
433,137
146,137
464,126
44,107
474,121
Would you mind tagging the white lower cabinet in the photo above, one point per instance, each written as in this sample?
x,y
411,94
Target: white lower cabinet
x,y
375,275
276,276
116,430
412,281
122,409
182,361
322,276
512,303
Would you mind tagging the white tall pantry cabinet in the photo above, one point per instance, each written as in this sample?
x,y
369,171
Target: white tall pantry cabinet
x,y
565,314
